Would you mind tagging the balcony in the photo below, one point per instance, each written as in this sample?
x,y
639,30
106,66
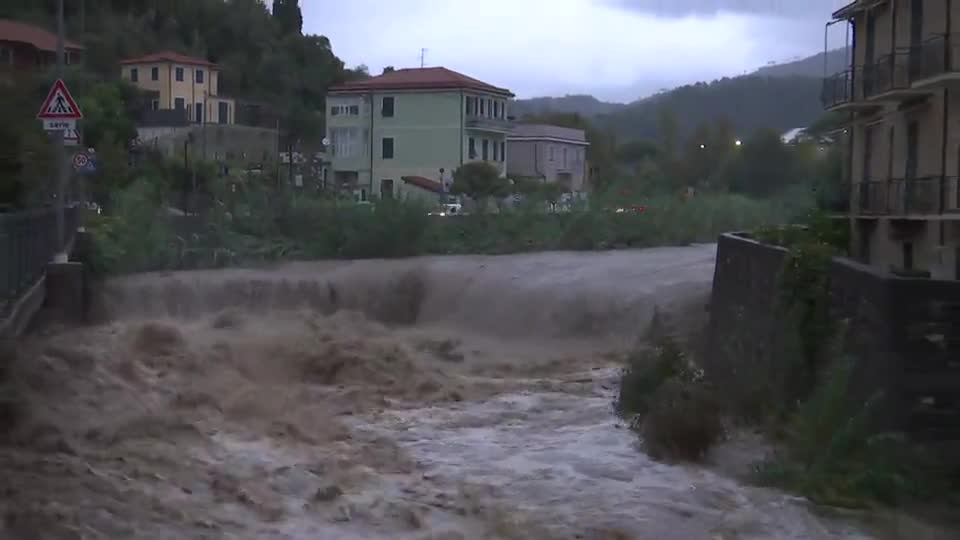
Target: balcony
x,y
936,61
845,91
891,77
907,196
483,123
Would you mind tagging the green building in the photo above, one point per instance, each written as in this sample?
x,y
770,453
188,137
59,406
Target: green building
x,y
403,133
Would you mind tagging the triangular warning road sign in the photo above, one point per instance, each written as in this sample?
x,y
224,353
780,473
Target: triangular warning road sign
x,y
59,104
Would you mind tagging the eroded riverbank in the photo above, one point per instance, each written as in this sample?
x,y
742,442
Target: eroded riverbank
x,y
438,398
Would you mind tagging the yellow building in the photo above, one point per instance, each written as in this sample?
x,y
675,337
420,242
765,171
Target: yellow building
x,y
181,83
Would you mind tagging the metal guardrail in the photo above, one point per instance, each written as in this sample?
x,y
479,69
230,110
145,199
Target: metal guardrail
x,y
28,242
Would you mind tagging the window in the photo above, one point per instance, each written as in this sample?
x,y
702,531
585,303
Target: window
x,y
486,149
564,157
345,110
552,151
348,142
387,109
471,105
503,151
223,113
6,56
387,148
179,104
496,109
496,151
908,255
483,104
134,75
155,104
473,148
198,115
154,74
199,76
179,74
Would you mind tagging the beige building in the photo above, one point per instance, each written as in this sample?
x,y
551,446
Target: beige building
x,y
549,153
181,83
902,95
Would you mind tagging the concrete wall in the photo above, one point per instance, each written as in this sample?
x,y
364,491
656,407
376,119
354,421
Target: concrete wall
x,y
902,332
226,143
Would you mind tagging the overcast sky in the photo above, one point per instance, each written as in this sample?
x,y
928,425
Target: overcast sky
x,y
618,50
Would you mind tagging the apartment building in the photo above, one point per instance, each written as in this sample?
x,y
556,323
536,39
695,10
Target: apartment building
x,y
549,153
181,83
902,95
391,135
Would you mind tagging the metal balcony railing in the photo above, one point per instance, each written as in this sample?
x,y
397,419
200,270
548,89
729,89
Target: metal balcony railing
x,y
907,196
915,195
838,89
891,72
483,122
937,56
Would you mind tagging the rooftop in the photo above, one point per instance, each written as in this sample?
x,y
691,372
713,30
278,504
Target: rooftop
x,y
41,38
855,7
432,78
546,131
168,56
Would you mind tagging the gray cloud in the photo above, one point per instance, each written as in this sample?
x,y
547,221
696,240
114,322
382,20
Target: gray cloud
x,y
806,9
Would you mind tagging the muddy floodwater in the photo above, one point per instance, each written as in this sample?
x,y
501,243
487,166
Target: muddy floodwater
x,y
451,398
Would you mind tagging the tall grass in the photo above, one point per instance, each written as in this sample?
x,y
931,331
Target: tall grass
x,y
253,224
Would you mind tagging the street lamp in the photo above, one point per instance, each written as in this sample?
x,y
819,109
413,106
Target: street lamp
x,y
739,142
702,146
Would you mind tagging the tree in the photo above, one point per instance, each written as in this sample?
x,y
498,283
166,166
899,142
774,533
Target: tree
x,y
763,167
288,15
480,181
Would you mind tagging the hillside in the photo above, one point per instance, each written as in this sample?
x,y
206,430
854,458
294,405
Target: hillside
x,y
780,97
748,103
584,105
808,67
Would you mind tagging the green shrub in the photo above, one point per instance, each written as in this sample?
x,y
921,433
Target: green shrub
x,y
683,421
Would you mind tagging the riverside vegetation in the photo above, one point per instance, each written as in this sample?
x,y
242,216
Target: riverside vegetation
x,y
825,449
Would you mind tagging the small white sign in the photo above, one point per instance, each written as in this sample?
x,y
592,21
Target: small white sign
x,y
59,125
71,137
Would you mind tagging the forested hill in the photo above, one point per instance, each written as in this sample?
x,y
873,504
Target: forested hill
x,y
584,105
747,103
265,56
779,97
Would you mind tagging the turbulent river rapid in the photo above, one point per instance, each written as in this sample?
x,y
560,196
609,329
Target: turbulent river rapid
x,y
452,398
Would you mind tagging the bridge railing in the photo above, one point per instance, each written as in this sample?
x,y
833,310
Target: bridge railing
x,y
28,241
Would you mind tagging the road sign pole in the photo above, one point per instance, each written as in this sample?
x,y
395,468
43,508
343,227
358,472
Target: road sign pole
x,y
60,150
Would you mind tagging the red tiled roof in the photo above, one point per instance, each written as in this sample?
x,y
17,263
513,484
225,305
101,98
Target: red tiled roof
x,y
424,183
433,78
167,56
40,38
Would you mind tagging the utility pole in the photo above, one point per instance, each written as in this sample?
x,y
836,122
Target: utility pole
x,y
59,150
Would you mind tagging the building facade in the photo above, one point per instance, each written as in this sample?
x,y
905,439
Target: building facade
x,y
392,134
181,83
902,97
549,153
26,47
